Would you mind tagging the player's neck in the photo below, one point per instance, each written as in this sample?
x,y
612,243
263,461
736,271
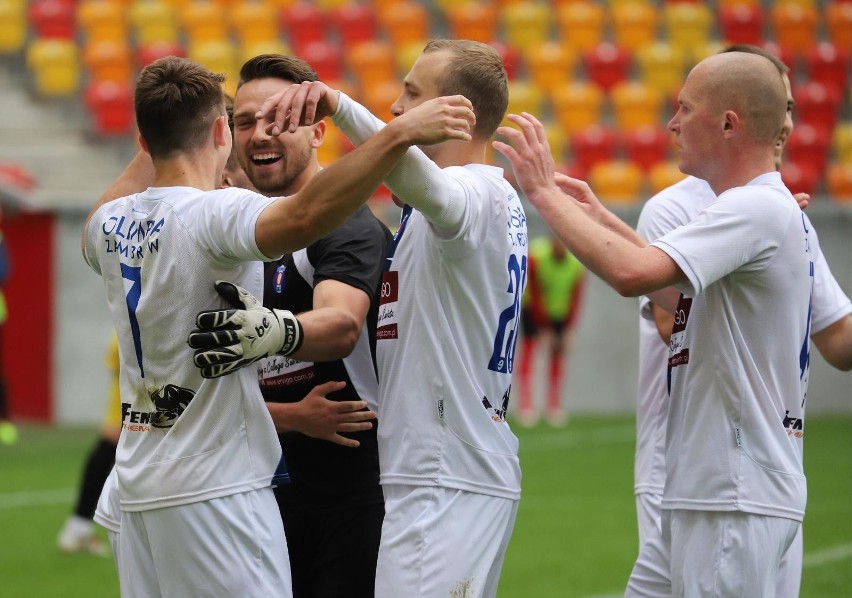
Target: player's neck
x,y
186,171
457,153
739,172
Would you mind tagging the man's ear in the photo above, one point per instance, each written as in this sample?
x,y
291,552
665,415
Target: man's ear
x,y
732,123
221,131
317,134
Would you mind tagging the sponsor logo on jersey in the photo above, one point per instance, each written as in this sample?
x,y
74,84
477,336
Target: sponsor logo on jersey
x,y
793,425
498,414
170,402
279,280
387,322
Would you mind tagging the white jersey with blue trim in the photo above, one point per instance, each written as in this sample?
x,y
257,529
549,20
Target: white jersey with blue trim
x,y
184,439
739,354
447,330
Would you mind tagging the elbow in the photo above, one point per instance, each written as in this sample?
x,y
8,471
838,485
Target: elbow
x,y
629,283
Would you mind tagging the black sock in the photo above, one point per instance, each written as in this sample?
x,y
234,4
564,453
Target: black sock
x,y
98,465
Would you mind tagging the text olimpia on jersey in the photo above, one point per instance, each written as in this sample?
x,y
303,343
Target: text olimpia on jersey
x,y
184,439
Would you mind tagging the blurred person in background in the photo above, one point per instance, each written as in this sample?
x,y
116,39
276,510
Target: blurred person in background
x,y
8,430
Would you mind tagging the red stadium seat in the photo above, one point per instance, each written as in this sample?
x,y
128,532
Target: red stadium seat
x,y
304,23
148,53
111,105
799,178
511,59
808,146
593,145
607,65
648,146
742,24
829,66
817,105
326,58
473,20
53,19
355,23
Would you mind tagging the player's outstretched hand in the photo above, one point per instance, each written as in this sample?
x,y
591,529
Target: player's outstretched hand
x,y
527,150
229,339
580,191
298,105
318,417
437,120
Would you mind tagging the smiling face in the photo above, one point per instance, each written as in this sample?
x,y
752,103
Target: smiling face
x,y
275,165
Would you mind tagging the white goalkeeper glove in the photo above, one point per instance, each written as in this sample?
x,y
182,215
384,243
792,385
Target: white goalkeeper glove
x,y
229,339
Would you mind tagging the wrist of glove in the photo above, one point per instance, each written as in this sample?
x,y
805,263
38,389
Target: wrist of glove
x,y
226,340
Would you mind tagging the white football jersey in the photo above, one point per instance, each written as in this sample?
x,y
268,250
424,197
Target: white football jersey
x,y
447,330
738,356
184,439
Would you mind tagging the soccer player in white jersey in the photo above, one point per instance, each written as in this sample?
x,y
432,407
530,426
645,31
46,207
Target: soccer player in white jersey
x,y
831,315
196,457
447,330
735,491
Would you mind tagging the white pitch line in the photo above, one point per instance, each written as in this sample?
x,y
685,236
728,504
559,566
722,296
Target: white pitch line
x,y
12,500
828,555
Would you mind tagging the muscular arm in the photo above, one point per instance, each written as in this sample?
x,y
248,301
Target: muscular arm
x,y
334,325
834,343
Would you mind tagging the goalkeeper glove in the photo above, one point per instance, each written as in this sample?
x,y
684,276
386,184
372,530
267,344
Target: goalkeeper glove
x,y
226,340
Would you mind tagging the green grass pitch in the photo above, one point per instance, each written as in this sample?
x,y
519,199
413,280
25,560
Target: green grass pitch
x,y
575,534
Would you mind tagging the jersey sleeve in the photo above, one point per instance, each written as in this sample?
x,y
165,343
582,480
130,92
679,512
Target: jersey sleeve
x,y
830,303
352,254
741,231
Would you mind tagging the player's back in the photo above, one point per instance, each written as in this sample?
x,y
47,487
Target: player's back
x,y
159,252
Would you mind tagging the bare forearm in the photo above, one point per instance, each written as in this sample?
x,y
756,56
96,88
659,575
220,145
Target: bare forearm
x,y
329,334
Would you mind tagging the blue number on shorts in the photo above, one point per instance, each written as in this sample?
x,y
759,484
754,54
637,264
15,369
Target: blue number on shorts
x,y
503,355
134,275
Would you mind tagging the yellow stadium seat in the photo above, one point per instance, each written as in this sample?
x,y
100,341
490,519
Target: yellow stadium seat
x,y
472,20
372,62
204,21
581,24
617,181
688,25
795,26
634,24
663,175
254,21
525,24
558,141
407,55
662,66
405,22
13,25
838,23
55,64
102,20
551,64
109,60
841,141
154,21
577,105
219,56
636,104
524,96
838,181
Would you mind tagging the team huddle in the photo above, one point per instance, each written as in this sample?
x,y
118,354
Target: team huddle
x,y
319,408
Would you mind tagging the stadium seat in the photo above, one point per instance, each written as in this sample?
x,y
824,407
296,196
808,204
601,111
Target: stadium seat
x,y
332,145
372,63
405,22
524,96
808,146
52,19
799,178
407,55
635,104
634,24
254,21
581,25
829,66
511,59
558,142
577,105
102,20
380,97
606,65
551,64
219,56
326,58
647,146
203,21
841,141
742,24
108,60
55,65
789,58
592,145
838,23
472,20
688,26
838,181
723,4
249,51
662,66
304,23
663,175
355,23
525,24
153,21
795,26
817,105
110,103
148,53
13,26
617,181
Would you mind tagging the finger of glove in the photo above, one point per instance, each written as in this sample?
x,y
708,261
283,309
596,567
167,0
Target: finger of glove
x,y
206,357
235,295
219,318
219,370
205,339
